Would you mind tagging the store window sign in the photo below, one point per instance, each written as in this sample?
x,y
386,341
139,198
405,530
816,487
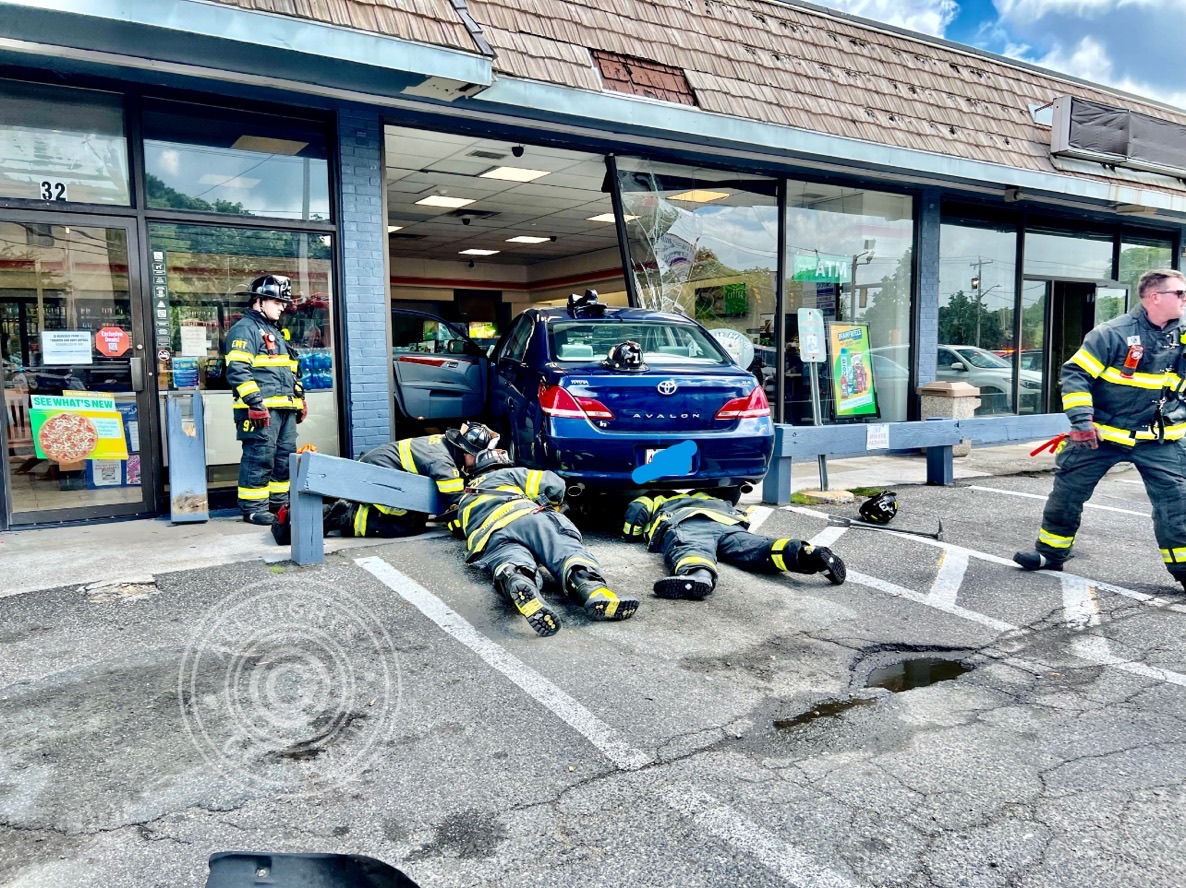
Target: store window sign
x,y
853,392
822,267
66,347
112,341
70,430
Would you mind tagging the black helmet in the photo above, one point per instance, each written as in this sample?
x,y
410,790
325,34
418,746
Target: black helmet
x,y
473,438
489,460
270,286
880,509
625,356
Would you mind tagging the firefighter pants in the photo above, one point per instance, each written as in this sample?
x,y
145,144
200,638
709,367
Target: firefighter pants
x,y
544,537
370,520
1162,467
696,543
263,470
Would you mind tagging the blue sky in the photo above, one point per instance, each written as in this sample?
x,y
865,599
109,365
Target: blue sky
x,y
1128,44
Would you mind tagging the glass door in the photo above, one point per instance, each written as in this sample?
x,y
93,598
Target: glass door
x,y
77,411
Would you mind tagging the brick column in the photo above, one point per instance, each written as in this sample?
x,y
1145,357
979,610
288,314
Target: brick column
x,y
926,348
362,251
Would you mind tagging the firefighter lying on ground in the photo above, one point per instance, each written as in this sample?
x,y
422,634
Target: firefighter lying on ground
x,y
511,525
440,457
693,529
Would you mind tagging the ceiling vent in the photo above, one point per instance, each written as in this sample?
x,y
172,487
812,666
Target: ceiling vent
x,y
1118,137
486,155
473,214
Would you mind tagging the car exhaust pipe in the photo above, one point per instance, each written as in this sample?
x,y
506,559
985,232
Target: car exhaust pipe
x,y
575,491
746,488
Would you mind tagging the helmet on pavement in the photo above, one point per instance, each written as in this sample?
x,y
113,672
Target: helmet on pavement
x,y
626,356
880,509
270,286
489,460
471,438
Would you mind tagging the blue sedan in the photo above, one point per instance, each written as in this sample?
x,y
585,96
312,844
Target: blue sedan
x,y
560,402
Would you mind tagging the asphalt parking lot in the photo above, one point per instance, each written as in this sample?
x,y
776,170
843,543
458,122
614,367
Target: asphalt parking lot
x,y
387,703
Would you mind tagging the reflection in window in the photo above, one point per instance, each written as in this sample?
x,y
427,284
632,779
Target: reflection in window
x,y
1085,255
850,254
1137,255
60,144
216,161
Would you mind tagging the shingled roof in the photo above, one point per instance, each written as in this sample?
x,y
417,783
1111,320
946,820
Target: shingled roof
x,y
764,60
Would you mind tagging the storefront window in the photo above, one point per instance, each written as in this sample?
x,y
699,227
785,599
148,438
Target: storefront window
x,y
1137,255
850,253
62,146
197,273
214,161
977,295
1085,255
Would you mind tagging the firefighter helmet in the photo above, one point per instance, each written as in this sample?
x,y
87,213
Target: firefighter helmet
x,y
270,286
880,509
472,438
626,356
489,460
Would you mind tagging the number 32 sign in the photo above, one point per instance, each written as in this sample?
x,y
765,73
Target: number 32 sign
x,y
51,190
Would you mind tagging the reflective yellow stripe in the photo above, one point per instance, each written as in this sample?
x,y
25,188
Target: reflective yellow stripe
x,y
360,521
1173,556
389,510
1054,540
534,479
405,456
1115,435
241,356
529,607
253,493
272,360
776,551
631,529
246,388
286,402
1137,380
694,559
293,365
499,518
451,485
575,561
1076,399
1088,362
465,512
278,486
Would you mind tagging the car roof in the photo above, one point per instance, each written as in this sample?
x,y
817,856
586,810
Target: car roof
x,y
550,315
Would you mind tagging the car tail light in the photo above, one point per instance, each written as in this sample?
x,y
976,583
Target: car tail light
x,y
557,401
753,405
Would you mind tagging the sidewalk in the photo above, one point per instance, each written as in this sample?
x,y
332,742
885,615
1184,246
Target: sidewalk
x,y
134,552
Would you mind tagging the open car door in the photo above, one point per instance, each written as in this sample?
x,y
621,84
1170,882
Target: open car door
x,y
440,373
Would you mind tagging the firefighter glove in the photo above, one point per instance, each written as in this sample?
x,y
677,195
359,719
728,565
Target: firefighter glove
x,y
259,416
1080,436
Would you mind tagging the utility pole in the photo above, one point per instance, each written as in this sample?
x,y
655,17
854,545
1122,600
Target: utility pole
x,y
977,282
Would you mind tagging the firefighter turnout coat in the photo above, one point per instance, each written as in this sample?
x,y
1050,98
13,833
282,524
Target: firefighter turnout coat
x,y
650,517
495,499
261,367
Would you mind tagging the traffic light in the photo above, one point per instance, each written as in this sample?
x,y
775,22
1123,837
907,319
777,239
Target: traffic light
x,y
975,283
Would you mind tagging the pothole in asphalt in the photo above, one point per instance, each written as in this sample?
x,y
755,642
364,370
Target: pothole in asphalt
x,y
916,672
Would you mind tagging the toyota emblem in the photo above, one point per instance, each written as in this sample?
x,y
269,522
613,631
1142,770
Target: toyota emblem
x,y
667,387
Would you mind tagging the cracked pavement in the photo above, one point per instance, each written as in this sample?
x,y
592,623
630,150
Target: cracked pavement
x,y
255,707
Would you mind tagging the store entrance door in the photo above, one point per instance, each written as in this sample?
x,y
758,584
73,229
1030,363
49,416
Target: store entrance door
x,y
78,410
1077,307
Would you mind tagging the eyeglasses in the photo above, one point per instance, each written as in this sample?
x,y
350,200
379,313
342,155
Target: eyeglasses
x,y
1181,294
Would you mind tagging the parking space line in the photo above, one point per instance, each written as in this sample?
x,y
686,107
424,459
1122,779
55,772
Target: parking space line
x,y
758,516
1095,649
584,722
953,564
953,609
1079,604
827,537
747,837
1039,496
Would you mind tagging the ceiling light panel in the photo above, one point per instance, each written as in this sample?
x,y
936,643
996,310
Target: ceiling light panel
x,y
609,217
266,145
391,229
513,174
441,200
527,239
697,195
475,252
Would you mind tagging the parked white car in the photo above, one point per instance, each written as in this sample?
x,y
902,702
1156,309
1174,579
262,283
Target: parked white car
x,y
990,373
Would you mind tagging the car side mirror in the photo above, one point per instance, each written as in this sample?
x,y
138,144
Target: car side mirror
x,y
958,365
456,346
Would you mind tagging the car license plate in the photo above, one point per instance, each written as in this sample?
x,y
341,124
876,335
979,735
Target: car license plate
x,y
648,455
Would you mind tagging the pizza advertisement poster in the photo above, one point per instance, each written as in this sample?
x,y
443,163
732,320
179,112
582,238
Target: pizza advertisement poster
x,y
69,430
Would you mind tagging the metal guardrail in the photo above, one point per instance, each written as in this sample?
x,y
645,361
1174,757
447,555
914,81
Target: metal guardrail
x,y
317,475
936,436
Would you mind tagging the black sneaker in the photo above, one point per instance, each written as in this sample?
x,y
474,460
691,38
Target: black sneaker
x,y
685,586
1035,561
825,562
262,517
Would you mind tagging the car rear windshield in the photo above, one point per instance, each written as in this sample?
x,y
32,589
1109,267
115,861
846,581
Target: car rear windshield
x,y
662,342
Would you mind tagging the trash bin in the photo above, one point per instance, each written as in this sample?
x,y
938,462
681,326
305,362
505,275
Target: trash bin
x,y
185,430
950,400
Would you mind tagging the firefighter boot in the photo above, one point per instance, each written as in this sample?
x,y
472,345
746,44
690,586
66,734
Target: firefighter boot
x,y
517,584
601,603
1034,560
819,559
695,585
335,516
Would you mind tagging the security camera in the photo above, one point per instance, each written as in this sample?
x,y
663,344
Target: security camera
x,y
470,263
517,151
552,238
465,220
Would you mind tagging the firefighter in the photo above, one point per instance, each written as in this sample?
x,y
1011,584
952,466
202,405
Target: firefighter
x,y
1122,392
261,369
693,529
441,457
510,521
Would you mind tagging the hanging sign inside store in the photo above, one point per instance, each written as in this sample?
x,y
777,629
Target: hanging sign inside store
x,y
70,430
160,298
112,341
66,347
853,392
822,267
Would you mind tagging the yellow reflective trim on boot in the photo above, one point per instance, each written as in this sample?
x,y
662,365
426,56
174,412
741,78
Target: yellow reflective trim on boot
x,y
695,559
776,556
604,594
1173,556
574,561
253,493
278,486
529,607
1054,540
360,521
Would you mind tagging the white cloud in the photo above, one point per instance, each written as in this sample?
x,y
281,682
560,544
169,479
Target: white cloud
x,y
1088,60
1028,11
924,16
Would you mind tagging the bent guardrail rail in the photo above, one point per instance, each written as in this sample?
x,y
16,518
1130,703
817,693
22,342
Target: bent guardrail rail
x,y
316,475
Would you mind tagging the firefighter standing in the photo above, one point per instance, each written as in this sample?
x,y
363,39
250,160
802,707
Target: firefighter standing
x,y
1122,391
693,529
508,517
